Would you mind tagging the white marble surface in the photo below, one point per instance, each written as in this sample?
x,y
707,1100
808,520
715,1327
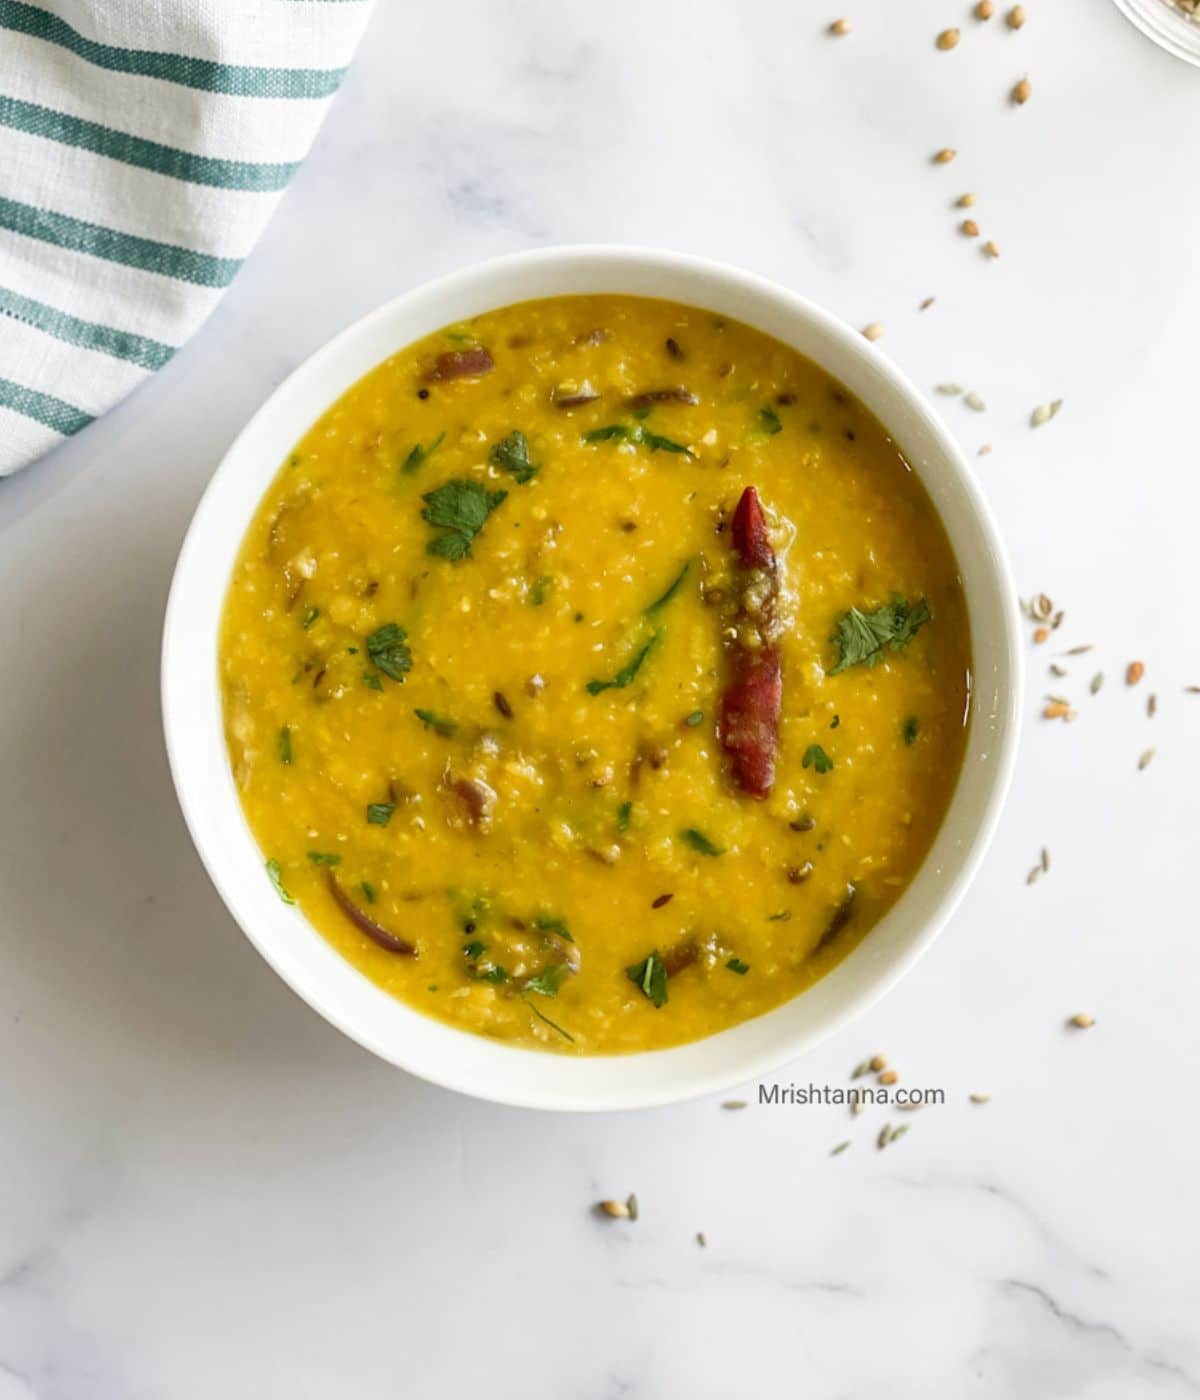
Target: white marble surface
x,y
208,1192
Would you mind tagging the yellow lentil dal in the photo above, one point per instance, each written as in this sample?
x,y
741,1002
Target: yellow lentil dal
x,y
536,500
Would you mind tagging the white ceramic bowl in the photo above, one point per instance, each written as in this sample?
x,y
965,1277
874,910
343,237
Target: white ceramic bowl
x,y
431,1049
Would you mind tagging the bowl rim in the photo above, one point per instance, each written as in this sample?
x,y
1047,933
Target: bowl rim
x,y
436,1051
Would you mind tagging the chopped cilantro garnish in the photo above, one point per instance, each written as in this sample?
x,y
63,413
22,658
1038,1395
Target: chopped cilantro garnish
x,y
607,434
910,731
768,421
550,923
285,745
372,681
738,966
511,454
627,672
388,650
638,433
473,949
816,757
695,718
417,457
624,816
276,880
651,976
380,813
439,723
699,842
459,509
541,587
368,891
554,1026
675,585
492,974
780,918
308,617
324,858
860,637
548,981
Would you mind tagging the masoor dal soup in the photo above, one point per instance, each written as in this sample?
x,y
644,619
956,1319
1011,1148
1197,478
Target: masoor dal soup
x,y
596,674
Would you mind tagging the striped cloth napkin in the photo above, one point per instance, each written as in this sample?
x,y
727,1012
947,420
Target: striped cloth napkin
x,y
143,146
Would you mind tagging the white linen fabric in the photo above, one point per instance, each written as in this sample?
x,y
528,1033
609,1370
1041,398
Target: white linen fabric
x,y
144,144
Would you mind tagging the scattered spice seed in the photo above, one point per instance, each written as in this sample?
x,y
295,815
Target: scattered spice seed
x,y
985,449
500,700
631,1205
1146,759
1056,709
1079,651
873,331
1045,861
926,304
885,1136
1034,875
984,10
1022,92
1151,706
617,1209
898,1132
860,1069
840,27
973,401
1041,635
1057,620
990,248
734,1103
701,1239
947,39
1041,607
856,1107
944,156
889,1076
950,390
840,1148
1057,670
1191,689
966,201
1081,1021
1044,412
1134,672
1015,17
969,228
1097,682
981,1098
878,1062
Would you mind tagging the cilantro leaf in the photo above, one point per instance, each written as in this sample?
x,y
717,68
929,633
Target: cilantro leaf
x,y
607,434
768,421
511,455
389,652
548,981
911,730
638,433
550,923
541,587
651,976
380,813
675,585
554,1026
697,840
816,757
285,745
860,637
624,816
459,509
447,728
417,457
372,681
309,616
627,672
276,880
324,858
738,966
492,974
